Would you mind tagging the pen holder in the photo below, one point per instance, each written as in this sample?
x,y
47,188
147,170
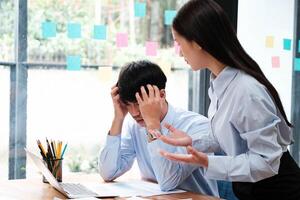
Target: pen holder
x,y
55,167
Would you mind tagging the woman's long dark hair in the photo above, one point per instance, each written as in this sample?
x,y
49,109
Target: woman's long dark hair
x,y
206,23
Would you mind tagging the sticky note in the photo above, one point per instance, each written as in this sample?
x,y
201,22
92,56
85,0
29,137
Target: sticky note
x,y
74,30
100,32
275,62
169,16
287,44
165,66
139,9
105,74
269,41
73,63
151,48
177,48
48,29
299,46
297,64
122,39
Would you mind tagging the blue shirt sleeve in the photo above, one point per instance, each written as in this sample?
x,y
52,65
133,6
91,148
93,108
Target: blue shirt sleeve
x,y
257,123
202,136
169,174
116,157
206,143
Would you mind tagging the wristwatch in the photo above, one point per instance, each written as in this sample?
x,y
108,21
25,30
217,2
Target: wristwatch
x,y
152,137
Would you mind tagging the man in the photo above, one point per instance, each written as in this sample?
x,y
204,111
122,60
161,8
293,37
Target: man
x,y
129,139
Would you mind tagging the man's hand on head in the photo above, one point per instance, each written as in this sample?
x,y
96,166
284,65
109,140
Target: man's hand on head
x,y
150,106
120,111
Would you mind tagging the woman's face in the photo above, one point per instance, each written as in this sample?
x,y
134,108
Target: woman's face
x,y
193,54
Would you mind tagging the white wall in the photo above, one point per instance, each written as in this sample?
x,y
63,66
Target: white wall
x,y
258,19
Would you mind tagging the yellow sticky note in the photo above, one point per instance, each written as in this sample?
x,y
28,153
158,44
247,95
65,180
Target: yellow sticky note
x,y
165,66
270,42
105,74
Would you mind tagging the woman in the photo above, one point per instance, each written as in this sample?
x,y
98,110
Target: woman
x,y
248,121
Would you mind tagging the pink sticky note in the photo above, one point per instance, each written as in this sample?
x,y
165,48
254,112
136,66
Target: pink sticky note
x,y
275,62
151,48
177,48
122,39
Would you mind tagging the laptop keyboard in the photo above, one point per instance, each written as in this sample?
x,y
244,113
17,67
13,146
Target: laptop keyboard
x,y
77,189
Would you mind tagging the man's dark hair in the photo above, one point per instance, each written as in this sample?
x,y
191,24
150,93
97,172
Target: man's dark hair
x,y
136,74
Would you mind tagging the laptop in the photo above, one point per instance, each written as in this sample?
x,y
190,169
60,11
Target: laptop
x,y
71,190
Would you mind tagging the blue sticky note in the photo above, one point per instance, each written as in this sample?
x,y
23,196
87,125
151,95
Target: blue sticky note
x,y
73,63
169,16
74,30
297,64
100,32
139,9
287,44
48,29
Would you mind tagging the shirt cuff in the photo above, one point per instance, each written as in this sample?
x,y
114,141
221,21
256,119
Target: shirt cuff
x,y
217,167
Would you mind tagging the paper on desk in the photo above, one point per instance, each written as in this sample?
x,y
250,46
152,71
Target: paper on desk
x,y
129,188
134,198
88,198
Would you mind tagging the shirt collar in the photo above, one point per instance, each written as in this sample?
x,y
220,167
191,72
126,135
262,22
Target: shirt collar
x,y
219,84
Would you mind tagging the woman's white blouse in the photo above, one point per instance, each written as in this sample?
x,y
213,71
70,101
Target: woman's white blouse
x,y
247,126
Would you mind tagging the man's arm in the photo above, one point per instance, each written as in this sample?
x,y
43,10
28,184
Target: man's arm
x,y
171,174
117,156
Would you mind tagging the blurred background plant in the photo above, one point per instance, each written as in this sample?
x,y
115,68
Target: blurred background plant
x,y
82,158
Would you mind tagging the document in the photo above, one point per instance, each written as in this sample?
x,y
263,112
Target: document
x,y
128,189
93,198
88,198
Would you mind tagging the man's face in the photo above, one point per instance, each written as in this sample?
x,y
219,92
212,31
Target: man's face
x,y
134,110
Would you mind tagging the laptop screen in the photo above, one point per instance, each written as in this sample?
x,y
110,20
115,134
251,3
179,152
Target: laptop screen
x,y
45,171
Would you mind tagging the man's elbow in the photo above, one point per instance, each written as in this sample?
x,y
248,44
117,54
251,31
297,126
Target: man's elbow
x,y
106,177
166,186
